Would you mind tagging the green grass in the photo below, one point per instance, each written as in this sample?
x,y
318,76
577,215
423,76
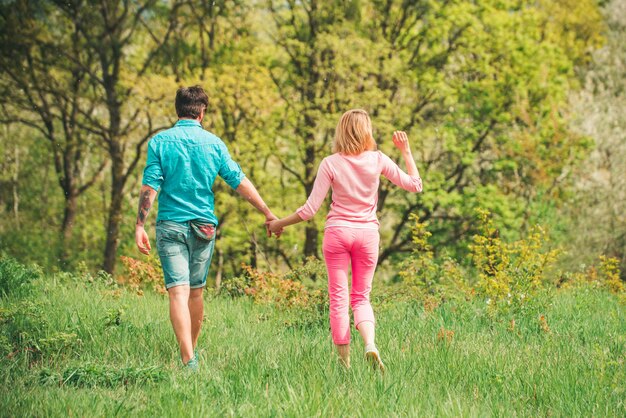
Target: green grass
x,y
98,354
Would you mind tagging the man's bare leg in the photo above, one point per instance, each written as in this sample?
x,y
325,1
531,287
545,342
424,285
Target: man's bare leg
x,y
196,311
181,320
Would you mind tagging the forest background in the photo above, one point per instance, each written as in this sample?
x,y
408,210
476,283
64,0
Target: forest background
x,y
512,107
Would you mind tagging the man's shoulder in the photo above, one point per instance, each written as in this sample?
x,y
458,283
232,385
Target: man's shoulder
x,y
163,134
175,133
211,136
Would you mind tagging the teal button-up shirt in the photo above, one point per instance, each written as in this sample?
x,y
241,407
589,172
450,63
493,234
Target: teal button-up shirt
x,y
183,162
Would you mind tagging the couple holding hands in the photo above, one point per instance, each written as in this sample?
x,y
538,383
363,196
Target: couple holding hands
x,y
184,161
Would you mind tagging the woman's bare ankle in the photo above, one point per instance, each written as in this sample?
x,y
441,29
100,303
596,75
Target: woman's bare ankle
x,y
344,354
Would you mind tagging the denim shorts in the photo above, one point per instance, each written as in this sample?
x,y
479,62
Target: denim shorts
x,y
184,257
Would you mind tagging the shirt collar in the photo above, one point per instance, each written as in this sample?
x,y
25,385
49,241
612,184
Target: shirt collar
x,y
187,122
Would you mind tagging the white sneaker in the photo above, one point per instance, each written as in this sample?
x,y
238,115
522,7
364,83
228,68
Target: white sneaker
x,y
373,357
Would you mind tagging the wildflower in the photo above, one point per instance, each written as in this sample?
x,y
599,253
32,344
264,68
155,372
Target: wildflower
x,y
543,323
445,335
489,301
512,324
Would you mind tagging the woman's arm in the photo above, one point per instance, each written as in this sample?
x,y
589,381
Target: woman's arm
x,y
401,141
412,181
322,183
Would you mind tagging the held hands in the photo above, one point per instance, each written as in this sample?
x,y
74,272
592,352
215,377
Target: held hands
x,y
142,240
401,141
274,227
269,219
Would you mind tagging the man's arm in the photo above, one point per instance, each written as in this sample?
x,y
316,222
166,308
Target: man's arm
x,y
247,190
146,199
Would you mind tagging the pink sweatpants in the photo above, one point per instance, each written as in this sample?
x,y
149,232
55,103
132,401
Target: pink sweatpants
x,y
344,246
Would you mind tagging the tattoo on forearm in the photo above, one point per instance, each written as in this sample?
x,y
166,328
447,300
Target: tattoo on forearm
x,y
144,207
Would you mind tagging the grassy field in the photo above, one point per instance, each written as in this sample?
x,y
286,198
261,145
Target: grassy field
x,y
89,350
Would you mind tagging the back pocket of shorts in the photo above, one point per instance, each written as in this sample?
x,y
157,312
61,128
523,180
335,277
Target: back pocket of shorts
x,y
169,242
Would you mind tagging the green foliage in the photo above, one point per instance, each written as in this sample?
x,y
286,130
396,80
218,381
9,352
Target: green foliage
x,y
577,26
311,270
22,325
114,317
483,88
441,278
15,278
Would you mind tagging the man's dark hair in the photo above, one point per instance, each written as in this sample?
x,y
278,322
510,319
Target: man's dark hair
x,y
190,101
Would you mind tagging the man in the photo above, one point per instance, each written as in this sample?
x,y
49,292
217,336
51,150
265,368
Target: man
x,y
183,163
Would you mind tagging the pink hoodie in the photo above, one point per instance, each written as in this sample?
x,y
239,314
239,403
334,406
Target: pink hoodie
x,y
354,180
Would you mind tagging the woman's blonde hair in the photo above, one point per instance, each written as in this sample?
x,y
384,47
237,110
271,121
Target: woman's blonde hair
x,y
354,133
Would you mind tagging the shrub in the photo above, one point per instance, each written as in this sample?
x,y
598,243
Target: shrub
x,y
269,288
83,275
303,305
25,328
114,317
313,269
16,278
22,325
610,274
236,286
426,276
604,275
59,341
511,275
139,275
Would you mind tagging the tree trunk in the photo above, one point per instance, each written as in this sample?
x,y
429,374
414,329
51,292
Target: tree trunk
x,y
253,250
113,231
67,228
115,215
310,237
16,196
310,243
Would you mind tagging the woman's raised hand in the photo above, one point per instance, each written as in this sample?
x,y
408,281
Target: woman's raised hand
x,y
401,141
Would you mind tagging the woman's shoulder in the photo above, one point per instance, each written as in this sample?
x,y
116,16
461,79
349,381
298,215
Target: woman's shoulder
x,y
364,154
332,158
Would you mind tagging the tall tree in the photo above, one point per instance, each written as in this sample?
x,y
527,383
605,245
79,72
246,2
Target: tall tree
x,y
489,125
467,79
318,78
112,31
598,204
91,80
44,88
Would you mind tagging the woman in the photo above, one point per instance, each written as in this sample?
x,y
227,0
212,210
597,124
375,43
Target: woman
x,y
351,235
